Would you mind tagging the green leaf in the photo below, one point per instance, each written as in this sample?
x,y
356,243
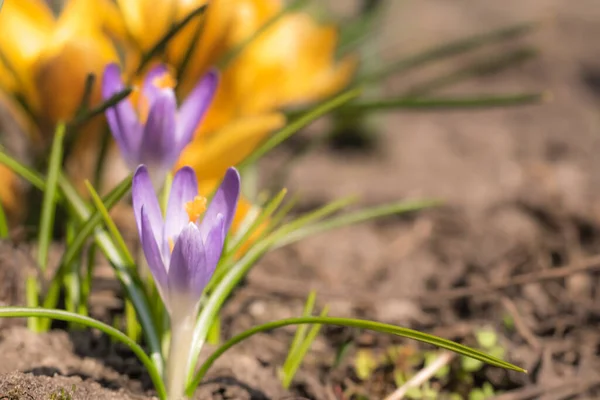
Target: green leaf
x,y
75,247
447,50
3,224
350,218
301,344
482,67
161,44
29,174
110,224
300,122
49,201
355,323
124,272
436,103
20,312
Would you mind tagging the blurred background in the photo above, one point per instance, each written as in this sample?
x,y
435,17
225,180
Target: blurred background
x,y
508,263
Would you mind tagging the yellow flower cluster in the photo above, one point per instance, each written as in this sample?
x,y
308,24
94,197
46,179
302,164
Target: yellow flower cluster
x,y
45,59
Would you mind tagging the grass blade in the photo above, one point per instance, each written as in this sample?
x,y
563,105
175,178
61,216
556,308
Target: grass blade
x,y
353,323
353,218
3,224
483,67
297,357
162,42
110,224
299,123
30,175
20,312
49,201
451,103
125,273
450,49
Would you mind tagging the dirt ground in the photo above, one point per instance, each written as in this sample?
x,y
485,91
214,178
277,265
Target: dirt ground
x,y
518,236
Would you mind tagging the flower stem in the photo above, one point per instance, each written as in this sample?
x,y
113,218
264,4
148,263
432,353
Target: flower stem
x,y
182,332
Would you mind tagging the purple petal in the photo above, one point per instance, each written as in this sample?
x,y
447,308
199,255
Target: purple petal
x,y
195,106
143,196
153,256
149,88
213,246
122,119
183,189
157,150
189,273
224,202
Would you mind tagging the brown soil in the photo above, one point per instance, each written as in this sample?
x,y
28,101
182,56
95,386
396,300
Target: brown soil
x,y
518,236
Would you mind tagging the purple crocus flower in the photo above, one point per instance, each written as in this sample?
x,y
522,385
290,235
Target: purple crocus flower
x,y
153,131
183,249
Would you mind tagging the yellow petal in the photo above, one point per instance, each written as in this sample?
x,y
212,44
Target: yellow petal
x,y
211,156
228,23
25,26
61,72
147,20
91,17
292,62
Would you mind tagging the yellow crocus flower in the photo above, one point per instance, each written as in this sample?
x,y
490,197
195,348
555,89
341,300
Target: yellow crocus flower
x,y
49,58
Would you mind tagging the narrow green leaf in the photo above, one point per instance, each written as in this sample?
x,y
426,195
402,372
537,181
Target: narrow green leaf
x,y
125,273
353,323
110,224
482,67
233,251
219,295
436,103
297,357
3,224
20,312
162,43
301,330
450,49
30,175
300,122
49,201
311,217
32,293
88,114
266,213
76,246
350,218
87,229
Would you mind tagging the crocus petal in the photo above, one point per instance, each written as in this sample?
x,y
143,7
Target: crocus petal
x,y
223,203
157,150
149,88
189,273
122,119
213,246
152,254
183,189
195,106
143,196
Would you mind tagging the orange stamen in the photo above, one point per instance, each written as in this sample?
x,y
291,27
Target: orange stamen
x,y
143,107
165,81
171,245
195,208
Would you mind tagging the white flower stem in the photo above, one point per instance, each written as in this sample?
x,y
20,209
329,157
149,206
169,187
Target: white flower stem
x,y
182,331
